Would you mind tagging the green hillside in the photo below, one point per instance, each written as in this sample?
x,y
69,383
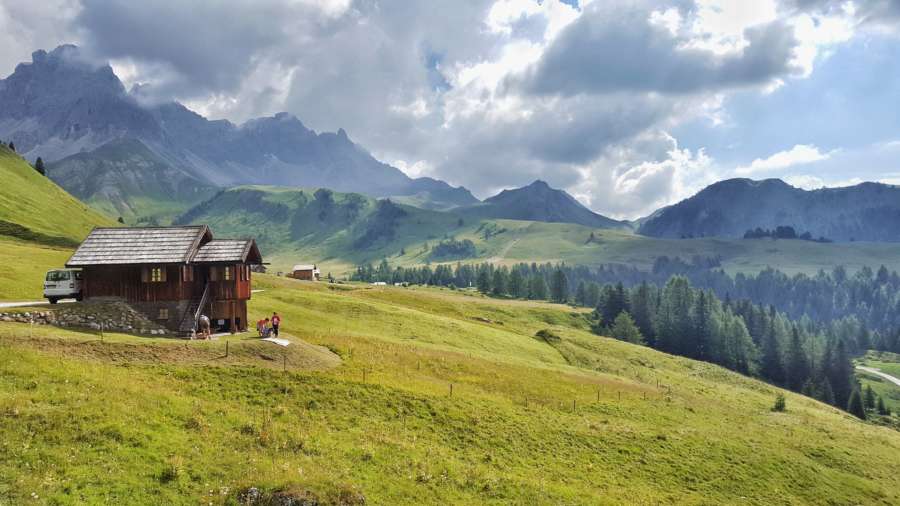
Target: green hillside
x,y
297,225
293,226
40,224
578,420
32,202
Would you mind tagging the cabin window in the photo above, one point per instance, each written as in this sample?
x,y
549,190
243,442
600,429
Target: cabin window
x,y
226,273
157,275
163,313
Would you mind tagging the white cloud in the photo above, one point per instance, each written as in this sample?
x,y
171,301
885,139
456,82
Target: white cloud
x,y
801,154
720,25
435,88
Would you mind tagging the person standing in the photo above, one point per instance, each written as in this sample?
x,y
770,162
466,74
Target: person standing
x,y
276,322
204,327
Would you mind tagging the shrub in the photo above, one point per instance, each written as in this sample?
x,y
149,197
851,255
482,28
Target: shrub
x,y
547,335
780,404
453,249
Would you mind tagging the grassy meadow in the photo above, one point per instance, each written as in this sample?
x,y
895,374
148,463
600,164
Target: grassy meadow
x,y
33,201
888,363
365,409
24,267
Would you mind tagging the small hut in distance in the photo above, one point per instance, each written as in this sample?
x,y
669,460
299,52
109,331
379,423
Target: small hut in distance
x,y
306,272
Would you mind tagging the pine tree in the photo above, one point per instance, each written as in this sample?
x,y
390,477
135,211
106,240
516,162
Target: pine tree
x,y
855,405
612,302
702,333
870,397
882,409
384,271
538,288
121,220
827,394
840,373
593,295
483,281
559,286
39,166
643,309
798,364
772,362
581,294
12,147
517,286
624,329
499,283
674,324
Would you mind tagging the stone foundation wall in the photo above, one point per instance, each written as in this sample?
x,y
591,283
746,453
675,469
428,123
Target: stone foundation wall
x,y
112,316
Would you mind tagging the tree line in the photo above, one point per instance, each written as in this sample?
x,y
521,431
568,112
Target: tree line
x,y
677,318
782,232
867,300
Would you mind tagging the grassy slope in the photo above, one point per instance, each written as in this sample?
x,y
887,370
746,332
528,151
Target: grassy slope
x,y
25,265
104,426
31,200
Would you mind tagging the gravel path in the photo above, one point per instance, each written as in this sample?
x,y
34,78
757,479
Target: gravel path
x,y
876,372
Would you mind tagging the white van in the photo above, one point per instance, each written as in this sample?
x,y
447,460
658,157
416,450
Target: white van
x,y
62,284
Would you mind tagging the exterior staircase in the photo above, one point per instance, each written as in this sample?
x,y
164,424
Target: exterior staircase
x,y
191,317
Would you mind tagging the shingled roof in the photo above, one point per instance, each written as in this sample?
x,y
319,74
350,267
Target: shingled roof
x,y
156,245
161,245
227,250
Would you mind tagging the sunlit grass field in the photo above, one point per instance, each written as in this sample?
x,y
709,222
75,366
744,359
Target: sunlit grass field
x,y
33,201
24,267
888,363
438,397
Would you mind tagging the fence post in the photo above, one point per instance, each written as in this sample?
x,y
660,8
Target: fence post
x,y
573,405
451,389
284,358
598,395
226,348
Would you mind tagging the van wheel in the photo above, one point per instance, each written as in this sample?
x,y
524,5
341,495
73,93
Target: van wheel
x,y
52,300
79,297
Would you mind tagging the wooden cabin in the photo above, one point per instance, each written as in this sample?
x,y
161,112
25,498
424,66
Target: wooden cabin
x,y
171,274
305,272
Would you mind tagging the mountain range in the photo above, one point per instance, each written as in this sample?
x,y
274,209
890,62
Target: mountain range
x,y
78,116
153,163
865,212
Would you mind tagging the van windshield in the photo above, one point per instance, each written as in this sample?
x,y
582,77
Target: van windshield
x,y
58,276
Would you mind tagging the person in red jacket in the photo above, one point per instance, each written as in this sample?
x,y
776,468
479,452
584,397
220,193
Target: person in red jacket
x,y
276,322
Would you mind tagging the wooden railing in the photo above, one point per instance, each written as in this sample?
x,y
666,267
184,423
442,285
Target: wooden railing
x,y
203,300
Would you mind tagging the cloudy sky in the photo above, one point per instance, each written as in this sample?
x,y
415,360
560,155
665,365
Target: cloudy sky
x,y
628,104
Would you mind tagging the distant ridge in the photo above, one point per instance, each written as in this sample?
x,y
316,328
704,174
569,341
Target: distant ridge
x,y
864,212
539,202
